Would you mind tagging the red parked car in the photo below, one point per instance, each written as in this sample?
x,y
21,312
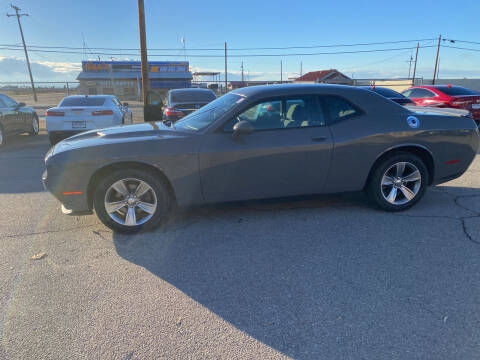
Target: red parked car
x,y
446,96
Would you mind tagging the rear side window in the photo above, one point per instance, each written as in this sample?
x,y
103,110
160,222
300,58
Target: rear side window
x,y
419,93
339,108
83,101
191,96
2,104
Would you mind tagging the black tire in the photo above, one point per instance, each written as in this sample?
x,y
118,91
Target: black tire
x,y
158,186
32,131
375,188
3,137
53,139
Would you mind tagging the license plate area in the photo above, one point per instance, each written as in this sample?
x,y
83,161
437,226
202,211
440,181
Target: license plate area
x,y
79,125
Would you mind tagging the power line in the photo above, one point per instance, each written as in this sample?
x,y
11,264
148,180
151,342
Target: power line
x,y
221,56
460,48
463,41
233,49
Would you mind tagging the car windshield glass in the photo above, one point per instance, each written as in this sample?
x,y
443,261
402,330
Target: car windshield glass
x,y
191,96
388,93
200,119
83,101
456,91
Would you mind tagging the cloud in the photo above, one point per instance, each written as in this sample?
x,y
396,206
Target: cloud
x,y
15,69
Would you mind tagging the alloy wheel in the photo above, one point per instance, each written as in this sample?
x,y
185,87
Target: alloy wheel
x,y
35,124
401,183
130,202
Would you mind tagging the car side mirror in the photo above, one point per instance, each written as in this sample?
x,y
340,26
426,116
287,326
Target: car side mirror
x,y
125,104
242,128
19,105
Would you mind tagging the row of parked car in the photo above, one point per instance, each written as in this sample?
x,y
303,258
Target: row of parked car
x,y
80,113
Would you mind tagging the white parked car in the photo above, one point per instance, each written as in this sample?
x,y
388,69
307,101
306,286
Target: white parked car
x,y
79,113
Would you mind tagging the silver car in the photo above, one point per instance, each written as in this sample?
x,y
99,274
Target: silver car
x,y
261,142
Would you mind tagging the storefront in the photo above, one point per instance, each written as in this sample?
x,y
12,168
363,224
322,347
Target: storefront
x,y
124,79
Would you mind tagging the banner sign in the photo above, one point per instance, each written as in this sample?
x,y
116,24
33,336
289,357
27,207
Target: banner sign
x,y
135,66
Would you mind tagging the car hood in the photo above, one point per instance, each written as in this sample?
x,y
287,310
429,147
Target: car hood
x,y
118,134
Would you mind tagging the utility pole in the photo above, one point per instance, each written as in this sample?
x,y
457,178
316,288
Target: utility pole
x,y
301,70
436,59
415,66
18,15
242,74
144,59
281,72
226,67
410,65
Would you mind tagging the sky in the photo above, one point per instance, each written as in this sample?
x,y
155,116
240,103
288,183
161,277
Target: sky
x,y
247,24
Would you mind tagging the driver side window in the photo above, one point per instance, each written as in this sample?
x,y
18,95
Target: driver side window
x,y
292,112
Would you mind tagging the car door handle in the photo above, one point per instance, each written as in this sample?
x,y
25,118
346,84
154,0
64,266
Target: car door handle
x,y
319,138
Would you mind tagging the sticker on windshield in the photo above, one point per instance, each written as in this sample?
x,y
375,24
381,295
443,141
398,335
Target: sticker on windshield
x,y
413,122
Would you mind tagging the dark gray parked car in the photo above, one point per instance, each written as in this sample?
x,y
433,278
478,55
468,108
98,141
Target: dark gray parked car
x,y
181,102
261,142
16,118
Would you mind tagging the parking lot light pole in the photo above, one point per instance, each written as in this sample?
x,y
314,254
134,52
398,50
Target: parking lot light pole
x,y
144,58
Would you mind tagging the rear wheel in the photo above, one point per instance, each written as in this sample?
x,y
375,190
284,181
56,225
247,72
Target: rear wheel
x,y
34,126
398,182
131,200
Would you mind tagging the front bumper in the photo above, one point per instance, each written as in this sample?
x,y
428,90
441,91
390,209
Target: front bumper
x,y
73,202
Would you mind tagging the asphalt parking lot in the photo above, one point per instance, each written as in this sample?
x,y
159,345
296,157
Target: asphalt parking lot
x,y
321,278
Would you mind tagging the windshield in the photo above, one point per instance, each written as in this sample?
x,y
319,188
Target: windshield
x,y
83,101
191,96
200,119
388,93
456,90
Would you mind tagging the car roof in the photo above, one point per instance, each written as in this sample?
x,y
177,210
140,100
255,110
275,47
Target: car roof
x,y
190,90
90,96
285,89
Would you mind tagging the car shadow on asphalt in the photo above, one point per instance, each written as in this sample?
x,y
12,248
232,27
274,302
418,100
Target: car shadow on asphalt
x,y
22,164
322,277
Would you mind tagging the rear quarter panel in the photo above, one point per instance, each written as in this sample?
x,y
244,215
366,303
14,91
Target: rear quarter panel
x,y
360,141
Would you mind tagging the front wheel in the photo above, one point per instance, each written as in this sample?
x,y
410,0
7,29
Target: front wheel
x,y
398,182
2,136
131,200
34,126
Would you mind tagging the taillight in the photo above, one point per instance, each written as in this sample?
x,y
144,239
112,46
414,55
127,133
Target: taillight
x,y
173,112
54,113
102,112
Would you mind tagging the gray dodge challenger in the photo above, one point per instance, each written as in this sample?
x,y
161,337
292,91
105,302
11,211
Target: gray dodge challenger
x,y
261,142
